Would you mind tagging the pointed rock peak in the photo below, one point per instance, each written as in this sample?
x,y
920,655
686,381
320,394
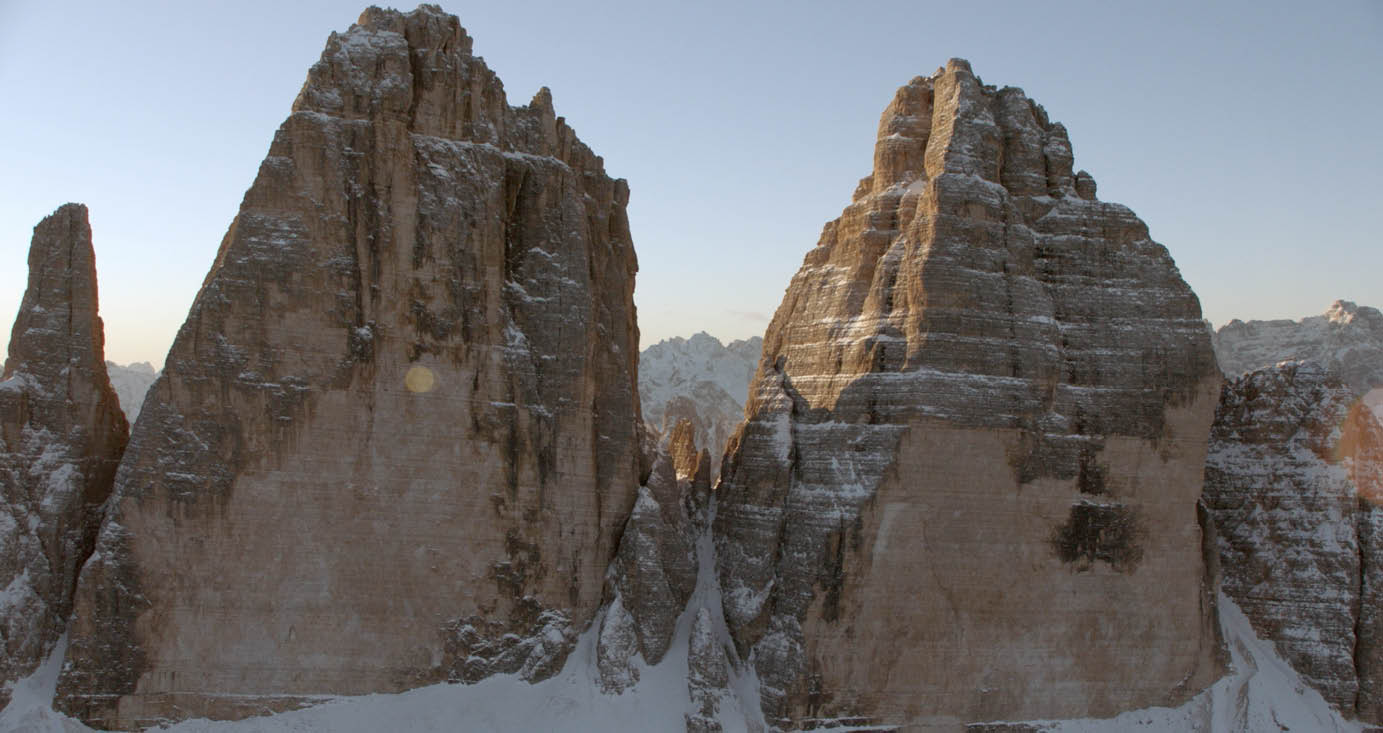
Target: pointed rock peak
x,y
972,297
950,123
542,101
956,66
439,25
704,340
682,447
394,267
57,325
61,437
1342,311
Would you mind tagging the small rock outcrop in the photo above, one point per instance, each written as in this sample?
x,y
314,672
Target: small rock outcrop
x,y
1293,479
967,485
397,438
699,380
61,438
1347,340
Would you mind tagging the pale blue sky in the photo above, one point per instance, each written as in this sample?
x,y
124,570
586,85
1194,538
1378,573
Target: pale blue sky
x,y
1245,134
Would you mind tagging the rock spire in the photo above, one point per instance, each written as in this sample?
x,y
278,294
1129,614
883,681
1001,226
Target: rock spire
x,y
397,436
61,437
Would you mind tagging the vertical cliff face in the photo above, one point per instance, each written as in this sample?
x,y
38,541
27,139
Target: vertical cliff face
x,y
397,436
1293,479
61,436
967,486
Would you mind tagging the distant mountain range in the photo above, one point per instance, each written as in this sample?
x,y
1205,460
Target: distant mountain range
x,y
699,379
131,383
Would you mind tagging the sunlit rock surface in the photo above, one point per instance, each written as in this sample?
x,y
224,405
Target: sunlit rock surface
x,y
396,439
967,488
61,437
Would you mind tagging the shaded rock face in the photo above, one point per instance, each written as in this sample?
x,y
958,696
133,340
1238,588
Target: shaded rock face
x,y
655,569
396,439
967,485
708,676
701,381
1293,479
1347,339
61,437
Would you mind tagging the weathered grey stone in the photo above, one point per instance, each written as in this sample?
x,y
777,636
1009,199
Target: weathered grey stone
x,y
655,568
61,437
708,675
397,437
1347,340
966,489
1293,478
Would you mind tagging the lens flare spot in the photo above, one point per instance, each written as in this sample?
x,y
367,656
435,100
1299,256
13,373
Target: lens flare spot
x,y
419,379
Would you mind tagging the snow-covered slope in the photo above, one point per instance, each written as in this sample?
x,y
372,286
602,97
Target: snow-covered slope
x,y
698,379
1261,693
131,383
1347,339
570,701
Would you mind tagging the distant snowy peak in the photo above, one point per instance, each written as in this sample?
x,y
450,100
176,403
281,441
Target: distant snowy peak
x,y
673,363
1347,339
699,379
131,383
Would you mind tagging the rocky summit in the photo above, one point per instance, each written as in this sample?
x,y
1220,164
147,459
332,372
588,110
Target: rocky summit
x,y
967,485
1293,479
1347,340
61,437
397,437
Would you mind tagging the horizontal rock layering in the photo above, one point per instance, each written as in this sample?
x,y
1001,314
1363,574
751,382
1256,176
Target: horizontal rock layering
x,y
397,436
967,488
61,437
1294,478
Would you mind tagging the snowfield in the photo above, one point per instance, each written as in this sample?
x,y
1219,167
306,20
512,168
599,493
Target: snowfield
x,y
1261,693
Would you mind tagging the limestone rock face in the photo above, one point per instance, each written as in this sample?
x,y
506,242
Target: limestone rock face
x,y
656,568
699,380
397,437
1347,339
967,485
1293,479
708,676
61,437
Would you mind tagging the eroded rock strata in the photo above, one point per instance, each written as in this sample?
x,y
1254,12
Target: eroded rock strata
x,y
61,437
1293,478
396,439
967,486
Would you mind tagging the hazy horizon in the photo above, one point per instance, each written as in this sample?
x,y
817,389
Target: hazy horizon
x,y
1242,134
